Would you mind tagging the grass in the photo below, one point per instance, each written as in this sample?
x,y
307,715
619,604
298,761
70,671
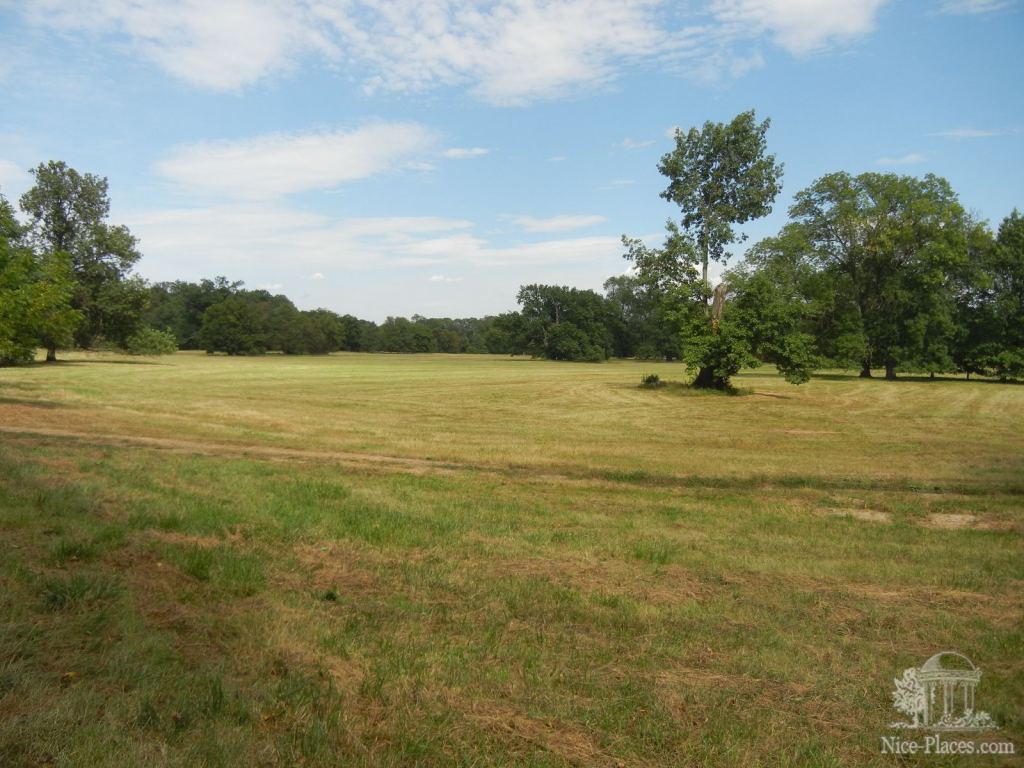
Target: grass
x,y
434,560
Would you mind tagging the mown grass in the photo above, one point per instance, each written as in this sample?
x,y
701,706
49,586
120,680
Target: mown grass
x,y
565,570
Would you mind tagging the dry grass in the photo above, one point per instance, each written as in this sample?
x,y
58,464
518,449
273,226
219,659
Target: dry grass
x,y
385,560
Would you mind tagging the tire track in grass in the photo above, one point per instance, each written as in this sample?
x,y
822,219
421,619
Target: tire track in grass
x,y
595,475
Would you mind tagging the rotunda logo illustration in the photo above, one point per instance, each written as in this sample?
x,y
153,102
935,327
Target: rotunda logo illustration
x,y
940,695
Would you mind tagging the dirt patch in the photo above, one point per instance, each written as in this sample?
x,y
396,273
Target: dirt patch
x,y
567,740
184,539
858,513
950,521
337,567
292,652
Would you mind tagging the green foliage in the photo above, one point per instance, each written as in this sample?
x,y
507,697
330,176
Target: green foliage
x,y
716,354
720,176
895,279
561,323
35,295
651,381
641,301
150,341
991,307
233,326
67,214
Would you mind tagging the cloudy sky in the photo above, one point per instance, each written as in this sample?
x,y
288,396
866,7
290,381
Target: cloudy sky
x,y
391,157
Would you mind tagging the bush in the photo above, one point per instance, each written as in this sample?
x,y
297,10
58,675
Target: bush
x,y
150,341
651,381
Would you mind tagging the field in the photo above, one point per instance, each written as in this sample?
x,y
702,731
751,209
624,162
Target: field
x,y
471,560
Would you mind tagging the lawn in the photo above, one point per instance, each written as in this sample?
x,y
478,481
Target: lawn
x,y
472,560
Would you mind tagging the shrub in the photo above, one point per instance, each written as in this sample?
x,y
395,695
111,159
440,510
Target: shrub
x,y
150,341
651,381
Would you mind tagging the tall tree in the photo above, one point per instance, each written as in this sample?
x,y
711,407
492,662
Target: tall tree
x,y
720,176
67,214
991,308
1008,289
756,316
562,323
35,294
897,246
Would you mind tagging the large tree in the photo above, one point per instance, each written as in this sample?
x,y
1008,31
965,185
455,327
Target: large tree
x,y
896,247
561,323
721,176
35,294
991,304
756,317
67,214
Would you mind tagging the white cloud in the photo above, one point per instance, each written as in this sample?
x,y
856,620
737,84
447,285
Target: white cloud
x,y
966,133
506,52
224,239
975,6
911,158
218,238
278,164
629,143
461,153
799,26
14,180
224,45
317,276
557,159
444,279
556,223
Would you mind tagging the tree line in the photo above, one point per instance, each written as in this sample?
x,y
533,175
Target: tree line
x,y
871,272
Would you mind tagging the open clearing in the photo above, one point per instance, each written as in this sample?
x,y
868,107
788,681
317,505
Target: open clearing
x,y
401,560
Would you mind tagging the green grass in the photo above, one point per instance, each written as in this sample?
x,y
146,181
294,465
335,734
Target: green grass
x,y
435,560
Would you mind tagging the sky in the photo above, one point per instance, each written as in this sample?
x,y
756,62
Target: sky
x,y
400,157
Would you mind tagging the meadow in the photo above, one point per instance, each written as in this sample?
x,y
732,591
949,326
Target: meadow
x,y
381,560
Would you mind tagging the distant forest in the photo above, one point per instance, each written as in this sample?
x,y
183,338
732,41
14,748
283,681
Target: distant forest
x,y
874,271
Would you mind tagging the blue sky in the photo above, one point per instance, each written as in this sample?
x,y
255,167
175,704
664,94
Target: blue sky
x,y
392,158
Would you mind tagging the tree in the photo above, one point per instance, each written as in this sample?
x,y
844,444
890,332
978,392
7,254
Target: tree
x,y
152,342
642,302
720,176
1008,298
562,323
233,326
896,247
35,294
756,316
178,307
908,696
67,214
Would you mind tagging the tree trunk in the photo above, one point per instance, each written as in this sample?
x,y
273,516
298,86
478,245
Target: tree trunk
x,y
931,375
51,355
865,370
706,379
704,263
890,372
